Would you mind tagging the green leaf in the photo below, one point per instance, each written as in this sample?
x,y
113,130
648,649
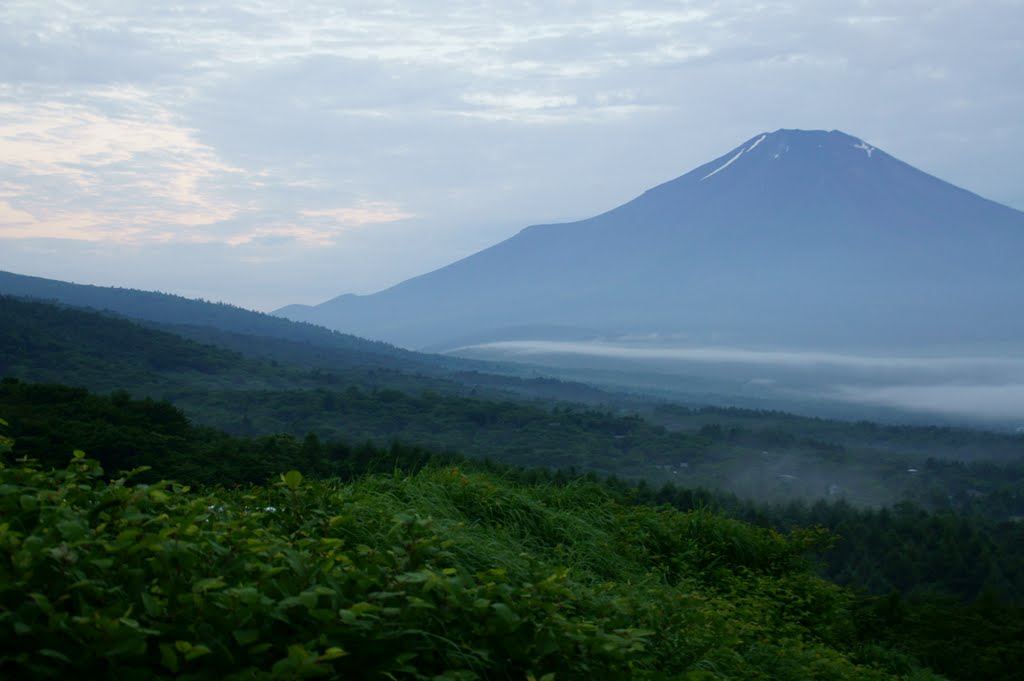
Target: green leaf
x,y
71,529
168,657
197,651
507,615
208,584
333,653
292,479
57,655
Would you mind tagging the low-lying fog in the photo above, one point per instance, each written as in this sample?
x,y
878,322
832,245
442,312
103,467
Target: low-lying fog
x,y
972,387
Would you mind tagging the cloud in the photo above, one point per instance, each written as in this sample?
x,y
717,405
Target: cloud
x,y
116,176
136,174
323,226
366,213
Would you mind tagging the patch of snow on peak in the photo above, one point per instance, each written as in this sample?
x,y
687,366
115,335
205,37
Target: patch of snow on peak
x,y
754,145
723,166
864,146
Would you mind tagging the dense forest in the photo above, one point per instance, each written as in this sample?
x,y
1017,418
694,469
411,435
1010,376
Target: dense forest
x,y
940,589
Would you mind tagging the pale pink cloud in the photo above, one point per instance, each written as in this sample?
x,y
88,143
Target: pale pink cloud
x,y
323,226
120,175
364,213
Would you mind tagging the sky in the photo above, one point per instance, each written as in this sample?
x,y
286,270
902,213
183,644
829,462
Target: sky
x,y
265,153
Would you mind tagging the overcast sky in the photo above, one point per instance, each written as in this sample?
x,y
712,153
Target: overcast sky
x,y
270,152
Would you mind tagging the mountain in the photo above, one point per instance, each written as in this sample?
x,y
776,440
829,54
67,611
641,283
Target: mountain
x,y
799,238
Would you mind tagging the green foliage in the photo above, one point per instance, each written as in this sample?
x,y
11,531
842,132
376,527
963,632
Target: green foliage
x,y
980,640
439,575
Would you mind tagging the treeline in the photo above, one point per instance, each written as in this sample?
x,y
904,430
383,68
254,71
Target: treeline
x,y
734,424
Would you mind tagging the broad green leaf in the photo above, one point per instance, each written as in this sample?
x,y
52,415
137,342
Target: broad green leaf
x,y
169,657
197,651
208,584
333,653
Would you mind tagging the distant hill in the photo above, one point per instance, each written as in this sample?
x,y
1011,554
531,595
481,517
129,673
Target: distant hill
x,y
173,310
246,331
51,341
54,343
807,238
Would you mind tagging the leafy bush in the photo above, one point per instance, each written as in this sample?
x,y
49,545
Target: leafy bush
x,y
437,575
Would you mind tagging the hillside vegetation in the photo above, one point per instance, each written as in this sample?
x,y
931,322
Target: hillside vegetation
x,y
438,575
937,589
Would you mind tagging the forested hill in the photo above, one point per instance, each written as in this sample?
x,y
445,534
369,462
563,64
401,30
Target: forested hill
x,y
166,308
177,311
263,336
51,342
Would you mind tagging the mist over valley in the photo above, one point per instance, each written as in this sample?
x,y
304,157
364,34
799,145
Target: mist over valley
x,y
979,389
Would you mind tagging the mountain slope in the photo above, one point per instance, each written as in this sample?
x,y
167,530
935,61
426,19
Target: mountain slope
x,y
172,310
265,337
805,237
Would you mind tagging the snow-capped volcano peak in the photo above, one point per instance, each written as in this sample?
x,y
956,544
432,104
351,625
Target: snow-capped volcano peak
x,y
808,147
792,234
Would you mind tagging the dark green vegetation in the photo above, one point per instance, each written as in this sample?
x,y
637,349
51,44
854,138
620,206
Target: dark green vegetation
x,y
441,574
941,588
